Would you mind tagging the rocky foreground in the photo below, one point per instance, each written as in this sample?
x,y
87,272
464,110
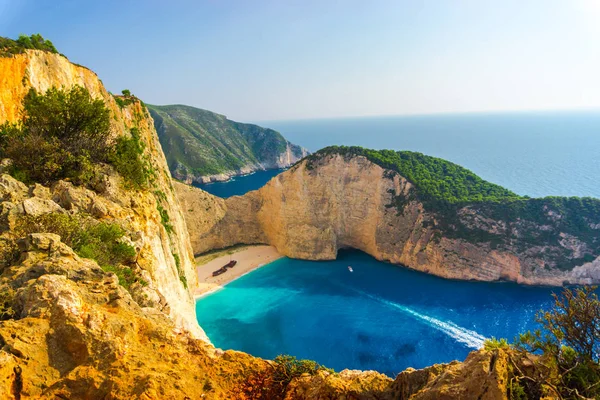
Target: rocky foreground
x,y
79,334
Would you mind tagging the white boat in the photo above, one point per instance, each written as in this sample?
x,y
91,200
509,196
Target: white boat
x,y
350,269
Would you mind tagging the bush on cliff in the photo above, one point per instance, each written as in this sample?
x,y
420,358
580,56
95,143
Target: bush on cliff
x,y
64,134
61,135
569,345
9,47
272,384
436,179
99,241
128,159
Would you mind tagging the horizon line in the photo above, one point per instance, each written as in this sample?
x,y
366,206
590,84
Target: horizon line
x,y
432,114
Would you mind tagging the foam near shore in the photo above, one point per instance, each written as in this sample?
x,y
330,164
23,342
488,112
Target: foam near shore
x,y
248,259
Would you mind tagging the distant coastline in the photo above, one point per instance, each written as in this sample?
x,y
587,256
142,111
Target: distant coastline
x,y
243,183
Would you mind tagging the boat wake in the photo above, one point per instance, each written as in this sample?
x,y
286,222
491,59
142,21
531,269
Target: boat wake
x,y
462,335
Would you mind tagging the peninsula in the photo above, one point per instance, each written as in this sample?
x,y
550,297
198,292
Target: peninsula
x,y
409,209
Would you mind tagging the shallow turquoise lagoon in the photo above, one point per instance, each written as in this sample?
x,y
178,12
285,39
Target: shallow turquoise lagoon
x,y
380,316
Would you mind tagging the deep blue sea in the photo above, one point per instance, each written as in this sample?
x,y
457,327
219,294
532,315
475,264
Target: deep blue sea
x,y
536,154
239,185
381,317
386,317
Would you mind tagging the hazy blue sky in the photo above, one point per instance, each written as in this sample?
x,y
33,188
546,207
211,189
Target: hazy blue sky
x,y
287,59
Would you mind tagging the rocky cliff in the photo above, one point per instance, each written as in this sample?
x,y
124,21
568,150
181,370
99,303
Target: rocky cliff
x,y
333,201
202,146
157,248
70,329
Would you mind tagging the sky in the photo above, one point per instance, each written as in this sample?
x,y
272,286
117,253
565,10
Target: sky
x,y
287,59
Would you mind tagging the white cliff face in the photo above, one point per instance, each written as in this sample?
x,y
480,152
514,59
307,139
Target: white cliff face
x,y
311,213
159,248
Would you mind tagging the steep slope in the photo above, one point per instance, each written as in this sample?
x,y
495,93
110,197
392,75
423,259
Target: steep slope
x,y
202,146
457,226
70,330
156,246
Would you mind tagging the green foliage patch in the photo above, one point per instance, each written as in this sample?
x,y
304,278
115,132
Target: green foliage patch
x,y
99,241
494,344
129,161
569,342
180,272
125,99
64,134
9,47
202,143
436,180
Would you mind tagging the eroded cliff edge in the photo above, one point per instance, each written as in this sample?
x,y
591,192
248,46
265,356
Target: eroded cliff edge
x,y
164,256
336,200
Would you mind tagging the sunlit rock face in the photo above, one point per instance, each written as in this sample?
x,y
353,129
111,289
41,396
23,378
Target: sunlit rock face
x,y
42,70
310,212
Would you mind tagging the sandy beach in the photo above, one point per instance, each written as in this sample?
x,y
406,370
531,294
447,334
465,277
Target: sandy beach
x,y
248,258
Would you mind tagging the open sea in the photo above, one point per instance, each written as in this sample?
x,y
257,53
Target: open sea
x,y
386,317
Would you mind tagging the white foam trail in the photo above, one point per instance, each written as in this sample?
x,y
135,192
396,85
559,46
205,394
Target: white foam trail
x,y
468,337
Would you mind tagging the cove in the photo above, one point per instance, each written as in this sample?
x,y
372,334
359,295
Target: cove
x,y
381,316
240,185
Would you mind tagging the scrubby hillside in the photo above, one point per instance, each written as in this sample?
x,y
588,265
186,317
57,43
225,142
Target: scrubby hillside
x,y
203,146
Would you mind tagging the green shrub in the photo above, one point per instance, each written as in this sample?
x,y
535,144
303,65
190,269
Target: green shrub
x,y
164,218
61,135
64,134
99,241
180,272
494,344
6,303
129,162
9,47
569,341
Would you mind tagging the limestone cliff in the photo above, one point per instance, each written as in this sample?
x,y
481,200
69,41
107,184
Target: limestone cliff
x,y
70,330
156,246
334,201
202,146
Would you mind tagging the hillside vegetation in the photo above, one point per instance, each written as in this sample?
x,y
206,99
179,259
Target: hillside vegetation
x,y
435,178
201,143
449,191
34,42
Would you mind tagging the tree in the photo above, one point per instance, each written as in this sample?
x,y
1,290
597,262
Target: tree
x,y
61,135
126,92
569,341
81,123
64,134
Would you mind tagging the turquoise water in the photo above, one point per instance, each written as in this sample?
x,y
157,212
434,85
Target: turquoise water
x,y
535,154
385,317
380,316
240,184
